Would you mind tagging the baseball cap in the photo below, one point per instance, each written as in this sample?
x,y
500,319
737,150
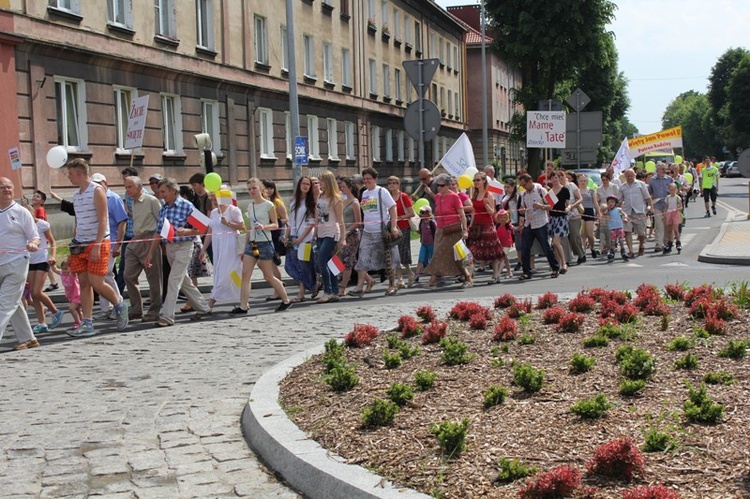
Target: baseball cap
x,y
425,209
98,178
501,212
156,176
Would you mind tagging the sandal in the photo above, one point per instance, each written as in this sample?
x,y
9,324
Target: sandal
x,y
357,293
467,284
298,299
564,270
186,308
524,277
554,274
273,298
369,286
391,292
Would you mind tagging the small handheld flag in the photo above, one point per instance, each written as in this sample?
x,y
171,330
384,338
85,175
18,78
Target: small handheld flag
x,y
495,187
236,279
335,265
460,250
167,231
304,252
551,198
198,220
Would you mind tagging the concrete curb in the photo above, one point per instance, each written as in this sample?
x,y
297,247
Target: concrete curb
x,y
706,256
304,464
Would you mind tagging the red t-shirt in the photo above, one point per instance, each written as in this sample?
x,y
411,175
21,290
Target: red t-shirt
x,y
447,207
41,213
402,203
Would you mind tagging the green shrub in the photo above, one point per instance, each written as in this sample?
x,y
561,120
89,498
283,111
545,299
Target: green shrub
x,y
740,294
424,380
400,394
379,413
680,344
452,436
342,378
718,378
638,364
407,351
592,408
513,469
495,395
622,352
581,363
455,351
688,361
699,408
701,333
596,341
334,355
526,339
528,377
498,362
505,348
734,349
393,341
657,440
392,360
630,387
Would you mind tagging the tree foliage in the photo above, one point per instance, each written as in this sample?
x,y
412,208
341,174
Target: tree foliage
x,y
738,103
692,110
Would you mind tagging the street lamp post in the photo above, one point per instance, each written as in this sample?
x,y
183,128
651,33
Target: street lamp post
x,y
485,140
293,100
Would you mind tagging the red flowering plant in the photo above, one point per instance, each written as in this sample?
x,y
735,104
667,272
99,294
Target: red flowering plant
x,y
463,310
506,330
714,325
478,321
620,459
658,491
570,323
552,315
582,303
361,336
675,292
519,308
698,292
558,482
598,294
408,326
434,332
619,297
547,300
626,314
505,301
426,313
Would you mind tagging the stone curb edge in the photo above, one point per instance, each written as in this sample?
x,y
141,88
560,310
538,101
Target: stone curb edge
x,y
303,463
706,256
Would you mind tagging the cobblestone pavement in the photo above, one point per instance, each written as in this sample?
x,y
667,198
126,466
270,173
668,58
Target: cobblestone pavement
x,y
152,413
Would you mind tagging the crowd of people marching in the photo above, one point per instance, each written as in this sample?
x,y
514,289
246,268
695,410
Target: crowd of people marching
x,y
336,233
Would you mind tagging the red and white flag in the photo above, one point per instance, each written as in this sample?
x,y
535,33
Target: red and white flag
x,y
167,231
198,220
335,265
551,198
495,187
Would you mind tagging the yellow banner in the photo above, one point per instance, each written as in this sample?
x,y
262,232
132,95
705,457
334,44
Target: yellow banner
x,y
664,140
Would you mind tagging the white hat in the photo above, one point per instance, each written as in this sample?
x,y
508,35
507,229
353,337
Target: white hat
x,y
98,178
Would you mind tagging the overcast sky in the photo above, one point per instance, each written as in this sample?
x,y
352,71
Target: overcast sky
x,y
667,47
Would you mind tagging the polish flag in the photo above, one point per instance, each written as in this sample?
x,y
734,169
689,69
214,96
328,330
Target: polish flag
x,y
551,198
234,198
167,231
495,187
335,265
198,220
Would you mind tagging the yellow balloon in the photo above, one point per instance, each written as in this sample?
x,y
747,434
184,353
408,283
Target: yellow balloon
x,y
678,160
689,177
464,181
650,167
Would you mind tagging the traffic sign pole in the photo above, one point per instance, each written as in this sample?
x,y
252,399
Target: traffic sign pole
x,y
420,94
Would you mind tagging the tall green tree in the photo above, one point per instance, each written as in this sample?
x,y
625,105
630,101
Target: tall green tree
x,y
719,79
692,110
550,42
738,103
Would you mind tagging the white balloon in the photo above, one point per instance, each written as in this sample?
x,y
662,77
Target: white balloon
x,y
471,171
57,157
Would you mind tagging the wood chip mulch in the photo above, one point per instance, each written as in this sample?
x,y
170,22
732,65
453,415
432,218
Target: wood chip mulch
x,y
711,461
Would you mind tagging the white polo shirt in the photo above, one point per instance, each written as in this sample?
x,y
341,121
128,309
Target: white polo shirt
x,y
18,228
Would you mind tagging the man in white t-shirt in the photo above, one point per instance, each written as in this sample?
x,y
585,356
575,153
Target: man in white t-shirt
x,y
19,238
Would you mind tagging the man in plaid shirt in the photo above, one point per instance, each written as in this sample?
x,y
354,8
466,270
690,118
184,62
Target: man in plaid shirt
x,y
178,251
534,219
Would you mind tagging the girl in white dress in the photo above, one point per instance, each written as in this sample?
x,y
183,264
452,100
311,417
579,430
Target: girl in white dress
x,y
225,222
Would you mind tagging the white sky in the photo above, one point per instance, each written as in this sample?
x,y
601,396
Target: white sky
x,y
667,47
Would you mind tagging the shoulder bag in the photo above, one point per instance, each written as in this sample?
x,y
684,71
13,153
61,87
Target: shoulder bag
x,y
385,228
413,221
276,257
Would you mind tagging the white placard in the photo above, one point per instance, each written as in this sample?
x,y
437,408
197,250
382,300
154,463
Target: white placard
x,y
136,123
545,129
15,158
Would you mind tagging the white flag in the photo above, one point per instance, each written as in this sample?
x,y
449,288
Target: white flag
x,y
622,158
459,157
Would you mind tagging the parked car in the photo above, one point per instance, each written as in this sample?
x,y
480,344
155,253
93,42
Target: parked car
x,y
733,170
595,175
724,166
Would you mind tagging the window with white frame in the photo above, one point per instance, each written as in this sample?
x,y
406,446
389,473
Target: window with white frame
x,y
120,13
265,133
397,24
373,77
346,67
384,13
333,140
313,139
456,62
171,112
309,45
407,29
434,94
371,9
375,142
288,134
284,50
210,122
71,114
441,51
450,102
411,150
386,81
442,98
328,62
432,49
397,83
400,145
448,54
436,149
417,36
349,140
164,18
205,24
389,145
73,6
123,99
260,40
344,7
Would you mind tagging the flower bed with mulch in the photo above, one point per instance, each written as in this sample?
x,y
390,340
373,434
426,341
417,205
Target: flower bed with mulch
x,y
702,448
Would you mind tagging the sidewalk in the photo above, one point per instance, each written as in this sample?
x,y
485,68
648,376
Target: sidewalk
x,y
732,244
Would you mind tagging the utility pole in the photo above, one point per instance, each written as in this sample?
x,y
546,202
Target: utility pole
x,y
293,100
485,139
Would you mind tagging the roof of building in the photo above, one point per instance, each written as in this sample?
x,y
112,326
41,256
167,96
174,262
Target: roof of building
x,y
472,36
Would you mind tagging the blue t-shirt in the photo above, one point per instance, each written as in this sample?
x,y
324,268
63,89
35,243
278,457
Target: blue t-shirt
x,y
117,213
615,219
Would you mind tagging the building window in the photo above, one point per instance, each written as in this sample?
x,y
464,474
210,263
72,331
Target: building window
x,y
333,141
313,137
448,55
284,50
349,139
120,12
328,63
450,102
434,93
455,58
123,100
411,150
441,52
171,112
261,41
397,83
375,141
205,16
71,114
69,5
165,18
386,81
210,122
400,145
408,93
371,9
346,68
309,56
288,134
384,13
442,98
417,36
389,145
433,45
345,7
265,133
373,78
407,29
396,24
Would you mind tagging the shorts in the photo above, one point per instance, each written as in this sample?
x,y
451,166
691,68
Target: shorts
x,y
616,234
82,263
709,194
39,267
425,253
588,215
673,217
638,226
265,250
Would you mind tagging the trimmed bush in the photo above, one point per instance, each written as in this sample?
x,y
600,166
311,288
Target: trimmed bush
x,y
379,413
495,395
592,408
558,482
451,435
528,377
619,459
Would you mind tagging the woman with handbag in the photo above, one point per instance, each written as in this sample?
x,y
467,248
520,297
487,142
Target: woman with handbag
x,y
277,236
259,248
377,249
353,221
299,231
225,222
330,228
451,228
483,241
405,214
